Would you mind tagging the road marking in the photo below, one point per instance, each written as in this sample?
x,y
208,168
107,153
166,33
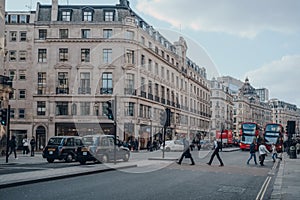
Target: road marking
x,y
261,194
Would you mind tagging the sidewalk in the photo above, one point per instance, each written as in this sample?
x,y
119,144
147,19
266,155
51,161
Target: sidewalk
x,y
287,182
39,174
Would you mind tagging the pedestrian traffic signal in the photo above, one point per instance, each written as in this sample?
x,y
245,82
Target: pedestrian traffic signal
x,y
3,116
162,118
109,110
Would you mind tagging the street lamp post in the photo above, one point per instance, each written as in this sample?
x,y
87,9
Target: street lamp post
x,y
222,129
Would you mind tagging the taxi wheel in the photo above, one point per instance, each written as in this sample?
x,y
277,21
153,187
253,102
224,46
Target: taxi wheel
x,y
82,162
69,158
104,159
50,160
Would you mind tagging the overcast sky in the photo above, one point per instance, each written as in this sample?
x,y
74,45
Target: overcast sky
x,y
258,39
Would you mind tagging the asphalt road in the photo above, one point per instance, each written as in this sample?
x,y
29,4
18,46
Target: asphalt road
x,y
235,180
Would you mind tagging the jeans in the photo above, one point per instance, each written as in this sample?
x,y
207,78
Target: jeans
x,y
252,155
274,156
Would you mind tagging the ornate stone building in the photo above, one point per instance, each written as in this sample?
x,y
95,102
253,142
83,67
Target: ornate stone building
x,y
249,108
70,60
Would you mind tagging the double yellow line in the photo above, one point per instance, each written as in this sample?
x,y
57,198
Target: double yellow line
x,y
261,194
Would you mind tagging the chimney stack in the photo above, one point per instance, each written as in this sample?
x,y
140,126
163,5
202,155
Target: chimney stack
x,y
54,10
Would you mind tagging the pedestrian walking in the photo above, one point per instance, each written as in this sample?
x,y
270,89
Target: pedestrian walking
x,y
13,146
186,152
275,153
252,151
216,149
263,151
32,145
25,145
298,147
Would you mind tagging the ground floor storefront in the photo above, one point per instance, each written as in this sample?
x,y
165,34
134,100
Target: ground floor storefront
x,y
144,133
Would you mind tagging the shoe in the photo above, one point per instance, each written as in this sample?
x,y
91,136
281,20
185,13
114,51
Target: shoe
x,y
247,163
255,163
221,165
178,163
193,164
262,165
208,163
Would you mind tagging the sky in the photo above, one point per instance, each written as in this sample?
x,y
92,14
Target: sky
x,y
257,39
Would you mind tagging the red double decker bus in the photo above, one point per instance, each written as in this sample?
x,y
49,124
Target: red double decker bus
x,y
248,131
274,134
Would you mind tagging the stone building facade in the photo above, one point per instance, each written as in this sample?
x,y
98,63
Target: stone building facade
x,y
222,107
282,112
249,108
70,60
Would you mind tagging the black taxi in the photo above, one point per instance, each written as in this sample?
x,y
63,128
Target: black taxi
x,y
101,148
62,148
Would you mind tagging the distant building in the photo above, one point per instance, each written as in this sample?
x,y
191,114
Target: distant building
x,y
247,105
263,94
233,84
222,107
283,112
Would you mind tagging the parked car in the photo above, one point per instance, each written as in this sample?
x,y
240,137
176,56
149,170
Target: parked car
x,y
100,148
173,145
62,148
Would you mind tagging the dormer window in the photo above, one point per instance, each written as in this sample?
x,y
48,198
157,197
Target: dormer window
x,y
87,16
13,19
66,15
108,16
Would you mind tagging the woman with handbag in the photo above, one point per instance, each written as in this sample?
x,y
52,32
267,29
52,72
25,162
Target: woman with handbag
x,y
186,152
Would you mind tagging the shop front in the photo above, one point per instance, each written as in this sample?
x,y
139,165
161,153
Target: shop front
x,y
128,132
144,136
82,129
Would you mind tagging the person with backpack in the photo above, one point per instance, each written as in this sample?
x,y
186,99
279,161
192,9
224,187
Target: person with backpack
x,y
13,146
252,151
216,148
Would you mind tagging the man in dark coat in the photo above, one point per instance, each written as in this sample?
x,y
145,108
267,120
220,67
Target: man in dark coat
x,y
13,146
186,152
32,144
216,149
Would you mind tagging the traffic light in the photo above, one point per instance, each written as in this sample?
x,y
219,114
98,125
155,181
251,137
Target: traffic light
x,y
168,120
165,117
109,110
3,116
